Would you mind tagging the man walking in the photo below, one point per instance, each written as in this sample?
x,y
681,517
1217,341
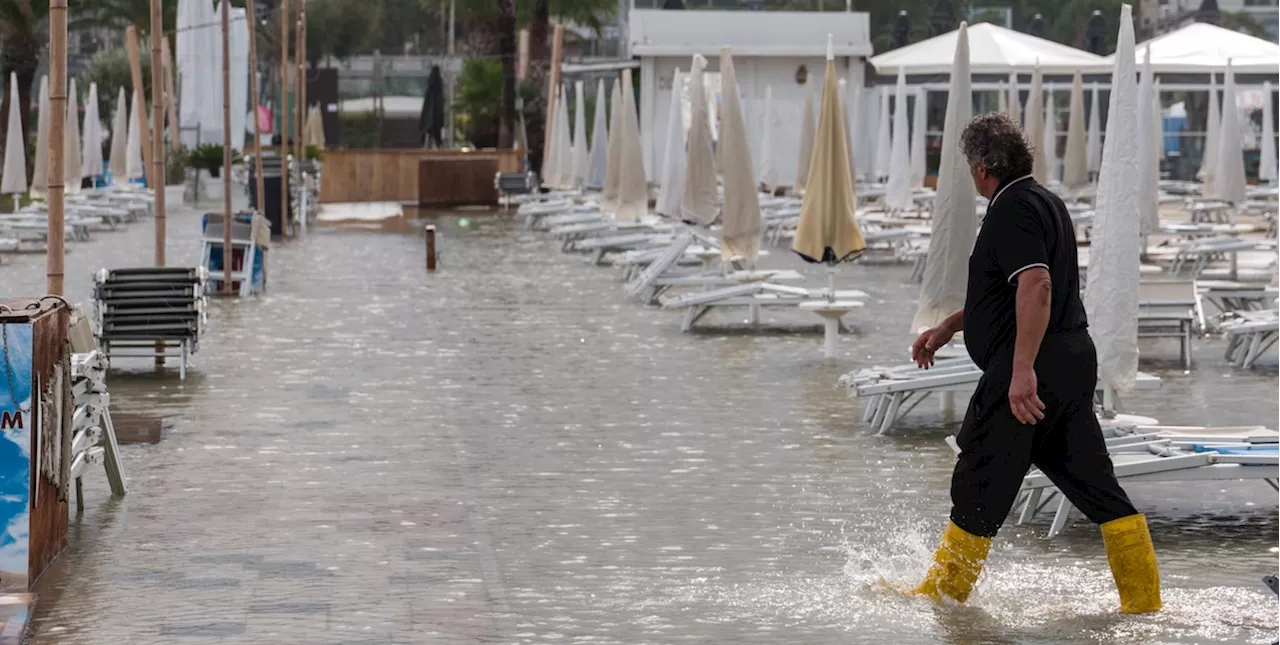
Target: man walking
x,y
1024,325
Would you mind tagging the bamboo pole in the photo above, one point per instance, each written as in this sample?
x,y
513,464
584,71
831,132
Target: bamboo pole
x,y
156,176
253,98
139,98
302,82
56,251
170,106
557,45
227,255
284,119
299,86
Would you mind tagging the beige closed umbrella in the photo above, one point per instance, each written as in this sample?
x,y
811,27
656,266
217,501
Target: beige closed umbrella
x,y
699,204
1075,162
119,138
740,234
92,156
14,181
827,231
614,147
40,169
1033,128
806,140
633,190
955,217
71,144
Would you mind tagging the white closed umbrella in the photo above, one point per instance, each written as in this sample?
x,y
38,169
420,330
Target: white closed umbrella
x,y
857,134
955,217
613,163
700,203
1002,98
1015,103
1148,186
1111,294
72,168
1157,124
827,231
1229,179
564,142
14,181
740,225
599,142
119,138
633,191
133,156
1267,170
40,167
1208,160
897,191
1033,128
1051,135
768,170
238,39
672,179
884,142
848,131
1094,140
918,124
581,156
93,164
805,149
1075,162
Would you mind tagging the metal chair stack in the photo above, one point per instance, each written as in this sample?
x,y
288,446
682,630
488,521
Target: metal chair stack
x,y
150,312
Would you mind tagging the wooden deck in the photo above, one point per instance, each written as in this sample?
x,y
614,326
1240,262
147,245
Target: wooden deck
x,y
391,175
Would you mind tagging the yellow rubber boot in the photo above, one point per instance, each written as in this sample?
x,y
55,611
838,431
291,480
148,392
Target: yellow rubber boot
x,y
956,565
1133,564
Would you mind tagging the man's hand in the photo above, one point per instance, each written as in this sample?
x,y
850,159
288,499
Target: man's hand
x,y
1023,400
928,343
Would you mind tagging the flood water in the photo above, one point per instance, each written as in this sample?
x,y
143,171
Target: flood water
x,y
511,451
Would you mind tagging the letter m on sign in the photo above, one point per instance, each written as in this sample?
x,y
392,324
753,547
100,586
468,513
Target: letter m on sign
x,y
10,420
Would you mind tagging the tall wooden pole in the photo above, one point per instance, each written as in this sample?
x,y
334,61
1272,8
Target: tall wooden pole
x,y
139,99
284,118
253,99
57,121
227,255
156,177
302,77
299,105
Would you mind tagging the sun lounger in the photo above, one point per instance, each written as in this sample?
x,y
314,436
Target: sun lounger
x,y
1250,335
753,296
1170,309
1228,297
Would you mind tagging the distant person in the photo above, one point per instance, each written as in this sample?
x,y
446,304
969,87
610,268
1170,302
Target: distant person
x,y
1024,325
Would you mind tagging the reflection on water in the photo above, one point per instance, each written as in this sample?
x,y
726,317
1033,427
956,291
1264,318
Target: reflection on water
x,y
511,451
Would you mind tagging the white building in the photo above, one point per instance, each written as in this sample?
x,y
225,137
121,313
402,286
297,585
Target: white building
x,y
769,49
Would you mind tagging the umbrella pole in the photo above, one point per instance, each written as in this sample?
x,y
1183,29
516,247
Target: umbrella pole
x,y
831,283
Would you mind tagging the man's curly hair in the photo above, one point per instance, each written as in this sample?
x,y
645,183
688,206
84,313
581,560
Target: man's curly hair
x,y
995,141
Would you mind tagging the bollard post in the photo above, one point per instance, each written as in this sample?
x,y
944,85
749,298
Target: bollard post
x,y
431,247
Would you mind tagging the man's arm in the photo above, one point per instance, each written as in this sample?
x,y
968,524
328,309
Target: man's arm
x,y
1035,293
954,323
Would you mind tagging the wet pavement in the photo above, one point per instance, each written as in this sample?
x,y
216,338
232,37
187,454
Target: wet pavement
x,y
510,451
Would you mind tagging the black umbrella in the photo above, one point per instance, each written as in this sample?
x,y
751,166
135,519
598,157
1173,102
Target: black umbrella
x,y
432,119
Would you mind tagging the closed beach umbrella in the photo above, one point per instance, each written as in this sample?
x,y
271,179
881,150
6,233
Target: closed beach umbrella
x,y
1051,135
1148,186
613,164
852,101
1075,163
918,124
563,142
133,145
599,142
1267,170
1033,128
14,181
318,123
581,155
827,231
897,192
40,168
1157,124
72,170
633,191
1208,163
119,137
700,204
740,225
806,139
884,140
1015,103
1093,143
551,145
672,178
1111,297
955,218
768,170
1229,177
431,120
92,156
848,131
1002,98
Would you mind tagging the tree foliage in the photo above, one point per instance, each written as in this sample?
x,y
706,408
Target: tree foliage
x,y
110,69
339,28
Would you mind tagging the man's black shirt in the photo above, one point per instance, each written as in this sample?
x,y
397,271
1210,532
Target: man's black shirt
x,y
1026,226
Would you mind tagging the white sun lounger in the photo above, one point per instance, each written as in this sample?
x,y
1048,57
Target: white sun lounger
x,y
753,296
1228,297
1249,335
1170,309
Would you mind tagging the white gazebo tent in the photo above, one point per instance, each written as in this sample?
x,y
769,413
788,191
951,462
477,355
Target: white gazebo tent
x,y
1201,48
992,50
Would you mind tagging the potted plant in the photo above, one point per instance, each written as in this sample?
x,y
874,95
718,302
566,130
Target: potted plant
x,y
206,161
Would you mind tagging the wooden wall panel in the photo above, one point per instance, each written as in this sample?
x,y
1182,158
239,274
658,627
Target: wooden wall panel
x,y
392,175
